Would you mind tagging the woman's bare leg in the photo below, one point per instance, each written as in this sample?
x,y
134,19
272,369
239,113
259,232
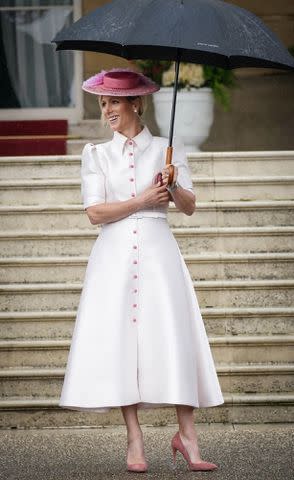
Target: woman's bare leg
x,y
188,432
135,435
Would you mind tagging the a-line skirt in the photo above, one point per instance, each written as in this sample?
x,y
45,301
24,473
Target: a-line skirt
x,y
138,336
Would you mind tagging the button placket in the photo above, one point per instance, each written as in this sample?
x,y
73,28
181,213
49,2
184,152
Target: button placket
x,y
130,154
135,262
134,245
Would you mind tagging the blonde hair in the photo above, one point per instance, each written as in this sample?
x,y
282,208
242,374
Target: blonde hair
x,y
142,106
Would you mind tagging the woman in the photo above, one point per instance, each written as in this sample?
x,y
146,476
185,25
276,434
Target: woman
x,y
139,340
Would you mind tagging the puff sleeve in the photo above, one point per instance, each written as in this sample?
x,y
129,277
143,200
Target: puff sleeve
x,y
180,160
92,177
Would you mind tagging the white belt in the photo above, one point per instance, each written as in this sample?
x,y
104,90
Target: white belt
x,y
147,213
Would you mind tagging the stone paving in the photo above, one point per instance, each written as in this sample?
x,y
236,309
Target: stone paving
x,y
257,452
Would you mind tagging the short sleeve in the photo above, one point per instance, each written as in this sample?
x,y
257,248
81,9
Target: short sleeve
x,y
180,160
92,177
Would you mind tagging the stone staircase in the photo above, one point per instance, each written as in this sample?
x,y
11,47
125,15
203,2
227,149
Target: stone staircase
x,y
238,246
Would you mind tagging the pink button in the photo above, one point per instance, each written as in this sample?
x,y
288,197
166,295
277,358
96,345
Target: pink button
x,y
132,166
134,305
130,143
135,246
132,179
135,261
131,154
133,194
134,319
134,231
135,291
135,276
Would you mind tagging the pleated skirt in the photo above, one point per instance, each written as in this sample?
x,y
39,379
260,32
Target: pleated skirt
x,y
138,336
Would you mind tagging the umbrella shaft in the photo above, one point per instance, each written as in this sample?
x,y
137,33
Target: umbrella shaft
x,y
171,128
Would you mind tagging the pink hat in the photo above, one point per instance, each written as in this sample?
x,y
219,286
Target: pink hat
x,y
120,82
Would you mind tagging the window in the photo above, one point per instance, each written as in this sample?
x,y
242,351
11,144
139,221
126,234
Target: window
x,y
33,74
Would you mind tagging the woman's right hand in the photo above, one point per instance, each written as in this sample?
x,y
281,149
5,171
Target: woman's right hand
x,y
155,195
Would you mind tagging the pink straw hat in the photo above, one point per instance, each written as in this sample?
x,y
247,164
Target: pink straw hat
x,y
120,82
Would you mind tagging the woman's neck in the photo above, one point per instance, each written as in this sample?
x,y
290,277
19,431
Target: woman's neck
x,y
132,131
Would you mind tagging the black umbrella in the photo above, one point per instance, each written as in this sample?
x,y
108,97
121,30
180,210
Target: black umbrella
x,y
210,32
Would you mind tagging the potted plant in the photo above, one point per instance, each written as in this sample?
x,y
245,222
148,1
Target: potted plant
x,y
199,86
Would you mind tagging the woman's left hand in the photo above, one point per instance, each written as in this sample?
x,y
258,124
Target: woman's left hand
x,y
165,174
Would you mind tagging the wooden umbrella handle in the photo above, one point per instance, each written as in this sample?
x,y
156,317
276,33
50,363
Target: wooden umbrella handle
x,y
168,163
158,176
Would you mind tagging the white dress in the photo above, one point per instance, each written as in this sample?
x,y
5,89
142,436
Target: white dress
x,y
139,336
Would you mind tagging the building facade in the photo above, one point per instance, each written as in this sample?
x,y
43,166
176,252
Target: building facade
x,y
39,83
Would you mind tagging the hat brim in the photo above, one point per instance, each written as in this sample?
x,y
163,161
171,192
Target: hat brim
x,y
143,89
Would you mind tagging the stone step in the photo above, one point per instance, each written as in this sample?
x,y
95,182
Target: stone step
x,y
224,188
34,325
225,350
226,162
68,190
274,163
26,243
237,408
40,167
221,266
229,214
235,213
90,128
256,163
211,293
238,266
75,147
223,163
239,378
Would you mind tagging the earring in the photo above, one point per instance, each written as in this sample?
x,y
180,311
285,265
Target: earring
x,y
135,110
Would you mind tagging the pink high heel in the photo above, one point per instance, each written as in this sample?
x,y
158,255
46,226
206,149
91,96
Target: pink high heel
x,y
137,467
177,444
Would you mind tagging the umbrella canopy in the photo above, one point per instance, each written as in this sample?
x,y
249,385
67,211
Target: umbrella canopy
x,y
210,32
